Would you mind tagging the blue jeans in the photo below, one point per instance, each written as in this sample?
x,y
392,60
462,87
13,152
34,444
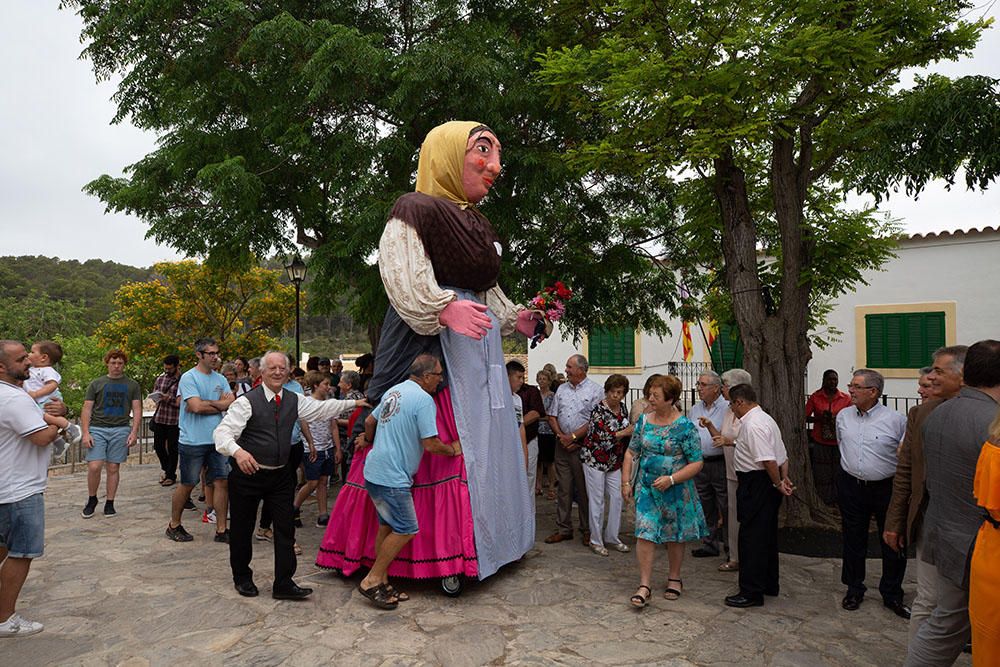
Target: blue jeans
x,y
394,507
22,527
195,457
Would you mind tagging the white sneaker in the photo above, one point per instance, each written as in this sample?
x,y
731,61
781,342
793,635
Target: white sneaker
x,y
15,626
208,517
73,434
59,446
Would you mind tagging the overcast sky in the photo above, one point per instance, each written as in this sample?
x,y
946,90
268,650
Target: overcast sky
x,y
57,136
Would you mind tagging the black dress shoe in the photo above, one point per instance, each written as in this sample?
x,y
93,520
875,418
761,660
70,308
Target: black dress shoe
x,y
898,608
851,602
293,592
705,552
741,601
247,589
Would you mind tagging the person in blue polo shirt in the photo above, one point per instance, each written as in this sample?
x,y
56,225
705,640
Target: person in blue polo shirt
x,y
407,425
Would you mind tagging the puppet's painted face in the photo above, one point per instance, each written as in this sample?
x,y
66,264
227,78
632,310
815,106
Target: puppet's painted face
x,y
482,165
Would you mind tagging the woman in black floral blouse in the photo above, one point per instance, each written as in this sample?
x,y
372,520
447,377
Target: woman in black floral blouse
x,y
601,453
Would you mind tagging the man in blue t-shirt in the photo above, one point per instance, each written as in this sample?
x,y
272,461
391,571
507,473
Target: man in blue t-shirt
x,y
204,395
407,425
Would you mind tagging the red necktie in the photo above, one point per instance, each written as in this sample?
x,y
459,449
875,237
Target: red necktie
x,y
277,406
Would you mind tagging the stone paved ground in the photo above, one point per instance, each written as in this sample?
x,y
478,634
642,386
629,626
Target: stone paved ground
x,y
117,592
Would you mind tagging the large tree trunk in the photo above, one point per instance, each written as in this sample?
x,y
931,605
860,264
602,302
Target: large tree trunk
x,y
774,330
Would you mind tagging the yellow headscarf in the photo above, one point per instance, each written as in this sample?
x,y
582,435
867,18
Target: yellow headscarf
x,y
442,161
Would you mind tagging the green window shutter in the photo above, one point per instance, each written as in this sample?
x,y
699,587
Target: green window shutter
x,y
727,349
611,347
875,341
903,340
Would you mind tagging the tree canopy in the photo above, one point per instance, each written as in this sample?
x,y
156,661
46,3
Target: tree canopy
x,y
244,311
284,122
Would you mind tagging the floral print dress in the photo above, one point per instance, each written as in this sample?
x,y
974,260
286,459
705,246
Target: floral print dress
x,y
674,515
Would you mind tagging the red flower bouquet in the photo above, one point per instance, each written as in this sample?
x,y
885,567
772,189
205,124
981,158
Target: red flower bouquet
x,y
551,303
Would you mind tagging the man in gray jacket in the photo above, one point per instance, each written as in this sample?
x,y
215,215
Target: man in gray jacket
x,y
953,436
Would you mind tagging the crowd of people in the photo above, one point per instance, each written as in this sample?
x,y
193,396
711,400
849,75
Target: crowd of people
x,y
715,476
435,413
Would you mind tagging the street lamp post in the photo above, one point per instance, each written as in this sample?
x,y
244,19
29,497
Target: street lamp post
x,y
296,271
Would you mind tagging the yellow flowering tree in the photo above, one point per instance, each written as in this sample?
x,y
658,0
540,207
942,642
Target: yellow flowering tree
x,y
244,311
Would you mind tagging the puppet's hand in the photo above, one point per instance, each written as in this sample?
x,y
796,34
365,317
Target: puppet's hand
x,y
467,318
527,320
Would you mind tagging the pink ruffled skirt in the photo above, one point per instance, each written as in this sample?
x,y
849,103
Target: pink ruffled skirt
x,y
445,545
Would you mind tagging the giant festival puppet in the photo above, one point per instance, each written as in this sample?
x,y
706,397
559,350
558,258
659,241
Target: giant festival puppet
x,y
439,258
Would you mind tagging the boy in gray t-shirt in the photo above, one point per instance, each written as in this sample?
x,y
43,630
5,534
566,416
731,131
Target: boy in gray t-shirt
x,y
111,418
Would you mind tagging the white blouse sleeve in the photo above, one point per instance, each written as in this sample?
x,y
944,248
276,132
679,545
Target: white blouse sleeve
x,y
409,278
505,311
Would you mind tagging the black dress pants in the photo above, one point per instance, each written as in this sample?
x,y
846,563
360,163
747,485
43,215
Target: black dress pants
x,y
294,461
165,437
276,489
858,501
757,505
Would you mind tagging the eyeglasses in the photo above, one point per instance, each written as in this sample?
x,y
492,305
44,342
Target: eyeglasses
x,y
210,354
433,373
707,384
858,386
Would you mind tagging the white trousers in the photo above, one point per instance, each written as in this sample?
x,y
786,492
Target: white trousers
x,y
599,484
532,470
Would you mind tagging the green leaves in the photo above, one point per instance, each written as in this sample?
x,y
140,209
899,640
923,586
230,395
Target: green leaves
x,y
940,126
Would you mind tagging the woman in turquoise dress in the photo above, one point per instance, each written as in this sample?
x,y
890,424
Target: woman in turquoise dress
x,y
666,448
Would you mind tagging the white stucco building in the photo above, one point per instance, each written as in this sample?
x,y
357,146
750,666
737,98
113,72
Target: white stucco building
x,y
940,289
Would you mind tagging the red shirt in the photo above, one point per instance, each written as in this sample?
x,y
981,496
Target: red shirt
x,y
823,409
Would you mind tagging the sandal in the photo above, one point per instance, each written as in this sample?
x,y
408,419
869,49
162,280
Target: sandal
x,y
168,482
729,566
393,593
379,596
673,593
638,600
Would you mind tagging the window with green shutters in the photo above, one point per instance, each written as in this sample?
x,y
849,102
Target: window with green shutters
x,y
727,349
903,340
611,347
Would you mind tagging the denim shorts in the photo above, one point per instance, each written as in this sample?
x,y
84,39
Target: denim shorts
x,y
321,467
195,457
394,507
22,527
110,443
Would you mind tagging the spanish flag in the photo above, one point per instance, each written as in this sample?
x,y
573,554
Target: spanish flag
x,y
686,340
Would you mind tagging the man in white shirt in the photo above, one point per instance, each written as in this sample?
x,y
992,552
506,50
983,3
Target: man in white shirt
x,y
257,433
868,434
762,471
570,418
25,435
711,479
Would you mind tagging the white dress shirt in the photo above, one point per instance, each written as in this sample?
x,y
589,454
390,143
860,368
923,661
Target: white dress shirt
x,y
714,413
868,441
758,440
232,425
